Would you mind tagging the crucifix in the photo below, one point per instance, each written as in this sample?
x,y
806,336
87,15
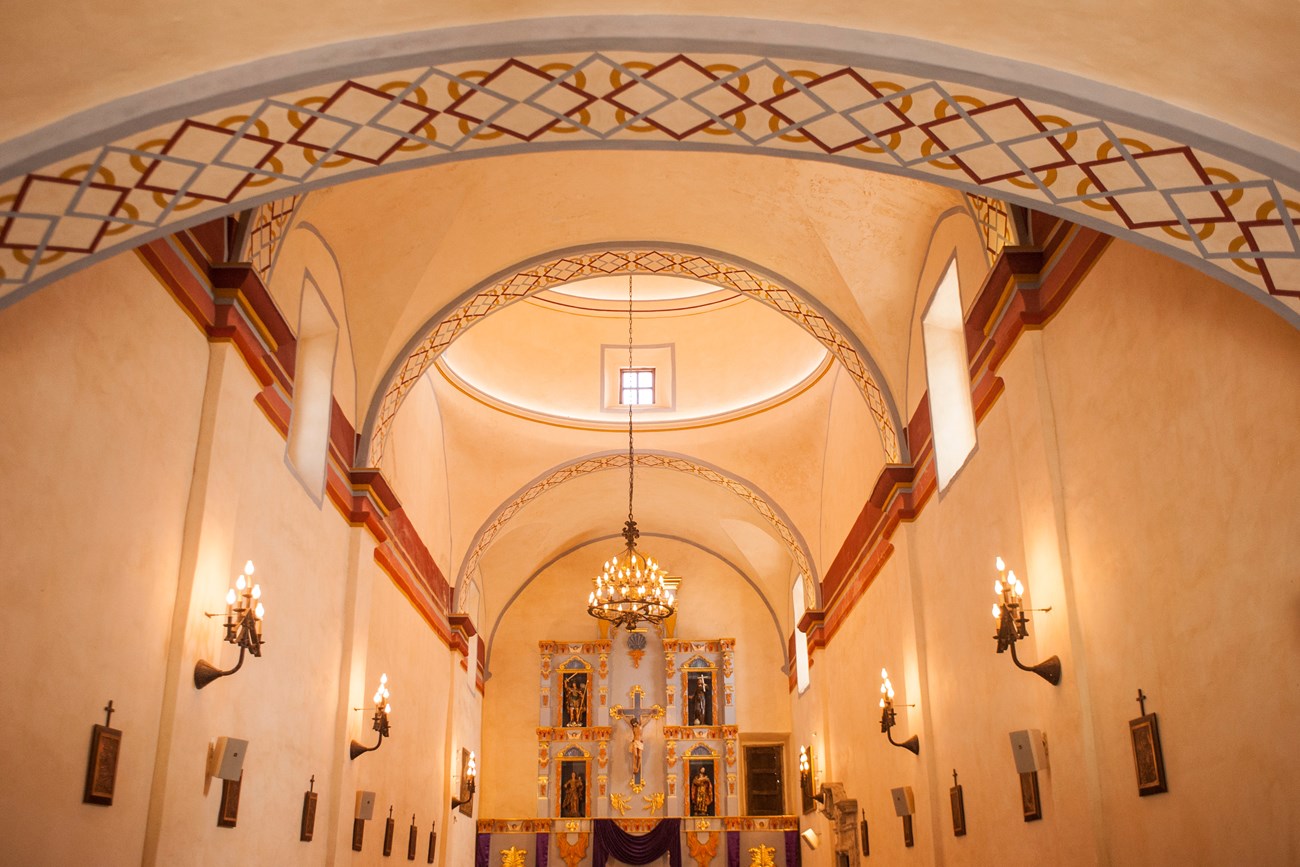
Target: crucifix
x,y
108,720
636,717
1142,702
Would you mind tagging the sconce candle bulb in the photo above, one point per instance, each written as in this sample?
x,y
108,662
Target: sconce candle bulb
x,y
1013,622
243,625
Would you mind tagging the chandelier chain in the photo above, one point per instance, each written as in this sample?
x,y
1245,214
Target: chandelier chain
x,y
631,460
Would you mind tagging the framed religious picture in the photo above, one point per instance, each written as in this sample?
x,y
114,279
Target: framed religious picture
x,y
390,826
909,840
573,784
699,686
702,786
1147,756
410,842
958,811
575,694
433,844
228,812
1030,804
308,827
358,834
101,769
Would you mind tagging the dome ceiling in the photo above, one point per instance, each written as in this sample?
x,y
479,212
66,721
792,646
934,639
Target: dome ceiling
x,y
556,356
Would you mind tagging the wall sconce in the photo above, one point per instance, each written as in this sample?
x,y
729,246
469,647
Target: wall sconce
x,y
380,721
244,612
806,779
913,744
1011,616
469,772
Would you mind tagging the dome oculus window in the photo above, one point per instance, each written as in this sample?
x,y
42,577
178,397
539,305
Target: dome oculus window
x,y
636,386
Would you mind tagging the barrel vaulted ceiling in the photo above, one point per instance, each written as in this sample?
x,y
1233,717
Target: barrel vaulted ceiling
x,y
804,156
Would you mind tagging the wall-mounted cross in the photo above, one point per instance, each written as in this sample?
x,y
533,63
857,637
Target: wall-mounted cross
x,y
954,776
312,784
1142,702
639,714
108,720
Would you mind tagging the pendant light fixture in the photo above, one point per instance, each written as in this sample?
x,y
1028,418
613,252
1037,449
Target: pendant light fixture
x,y
630,588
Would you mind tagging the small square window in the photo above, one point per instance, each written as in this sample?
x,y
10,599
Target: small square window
x,y
637,386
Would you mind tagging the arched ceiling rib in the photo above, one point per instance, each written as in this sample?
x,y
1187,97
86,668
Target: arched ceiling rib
x,y
772,518
1193,191
554,271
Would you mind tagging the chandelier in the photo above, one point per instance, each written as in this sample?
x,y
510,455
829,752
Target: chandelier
x,y
630,588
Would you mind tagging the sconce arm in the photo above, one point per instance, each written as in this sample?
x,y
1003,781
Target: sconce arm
x,y
1049,669
356,749
205,672
912,744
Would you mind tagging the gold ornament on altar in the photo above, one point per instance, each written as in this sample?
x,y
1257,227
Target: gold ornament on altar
x,y
761,856
572,853
514,857
654,803
620,802
703,852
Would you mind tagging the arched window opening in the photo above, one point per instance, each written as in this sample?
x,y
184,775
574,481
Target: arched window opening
x,y
313,390
952,415
800,639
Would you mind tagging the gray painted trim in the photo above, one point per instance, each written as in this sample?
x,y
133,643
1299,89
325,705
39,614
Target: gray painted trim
x,y
377,399
776,623
816,42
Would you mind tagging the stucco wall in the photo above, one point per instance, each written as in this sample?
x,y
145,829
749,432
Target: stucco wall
x,y
98,440
1134,474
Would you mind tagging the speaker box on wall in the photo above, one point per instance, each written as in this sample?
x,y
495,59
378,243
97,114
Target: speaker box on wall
x,y
226,758
365,805
904,805
1030,751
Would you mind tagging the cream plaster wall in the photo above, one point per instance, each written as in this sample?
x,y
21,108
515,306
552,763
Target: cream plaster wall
x,y
1181,519
97,437
853,459
716,603
415,464
409,771
283,704
152,476
1131,476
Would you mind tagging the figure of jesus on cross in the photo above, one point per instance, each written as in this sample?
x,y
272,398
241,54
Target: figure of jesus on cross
x,y
636,718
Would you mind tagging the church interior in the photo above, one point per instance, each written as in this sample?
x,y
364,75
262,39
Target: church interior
x,y
638,434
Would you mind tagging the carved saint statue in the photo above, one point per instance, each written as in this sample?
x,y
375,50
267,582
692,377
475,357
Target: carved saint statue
x,y
701,708
637,747
574,793
701,794
575,700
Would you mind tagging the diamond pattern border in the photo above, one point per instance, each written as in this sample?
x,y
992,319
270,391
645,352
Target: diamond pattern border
x,y
988,143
